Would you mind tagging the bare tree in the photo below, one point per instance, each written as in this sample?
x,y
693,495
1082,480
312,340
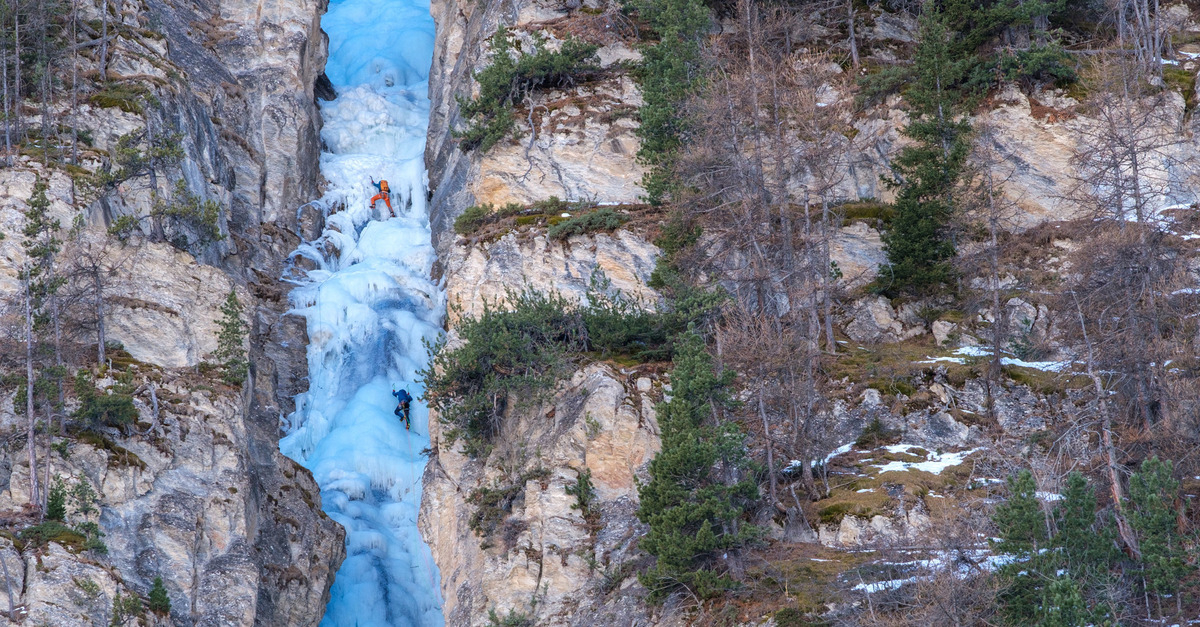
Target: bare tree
x,y
988,204
31,416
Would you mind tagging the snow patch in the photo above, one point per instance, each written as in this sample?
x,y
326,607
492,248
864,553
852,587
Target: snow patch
x,y
976,351
935,463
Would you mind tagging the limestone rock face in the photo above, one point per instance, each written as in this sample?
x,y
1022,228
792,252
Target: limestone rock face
x,y
858,252
233,526
556,564
177,502
575,144
477,274
874,320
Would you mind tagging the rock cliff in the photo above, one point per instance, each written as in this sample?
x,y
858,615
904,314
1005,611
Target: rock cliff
x,y
503,530
198,493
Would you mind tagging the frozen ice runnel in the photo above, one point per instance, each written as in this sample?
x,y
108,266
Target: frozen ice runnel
x,y
369,304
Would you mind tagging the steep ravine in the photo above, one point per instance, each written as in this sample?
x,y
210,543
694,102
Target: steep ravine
x,y
363,286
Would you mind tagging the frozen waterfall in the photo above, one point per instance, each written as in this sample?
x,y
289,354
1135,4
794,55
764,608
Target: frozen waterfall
x,y
369,303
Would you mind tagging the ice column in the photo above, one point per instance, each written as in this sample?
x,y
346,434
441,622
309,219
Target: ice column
x,y
370,303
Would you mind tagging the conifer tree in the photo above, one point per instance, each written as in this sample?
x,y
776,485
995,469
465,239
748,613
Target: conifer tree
x,y
1087,550
41,245
926,173
1153,493
670,73
56,503
160,602
698,489
230,341
1022,529
1064,605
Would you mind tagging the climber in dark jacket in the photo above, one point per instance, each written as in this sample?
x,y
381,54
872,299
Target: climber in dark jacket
x,y
403,401
384,195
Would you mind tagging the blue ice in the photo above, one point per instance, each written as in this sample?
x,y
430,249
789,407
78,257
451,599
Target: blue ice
x,y
369,303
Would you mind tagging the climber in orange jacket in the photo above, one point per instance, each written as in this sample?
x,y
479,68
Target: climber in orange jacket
x,y
384,194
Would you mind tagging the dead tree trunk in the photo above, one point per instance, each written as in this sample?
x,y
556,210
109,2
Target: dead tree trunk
x,y
1114,471
99,305
30,441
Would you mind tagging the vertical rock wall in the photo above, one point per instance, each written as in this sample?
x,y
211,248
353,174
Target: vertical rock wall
x,y
234,527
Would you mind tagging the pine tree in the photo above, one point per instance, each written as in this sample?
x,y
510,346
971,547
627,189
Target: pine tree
x,y
1087,550
926,173
230,341
670,74
56,503
159,601
1022,529
41,245
1022,525
698,490
1064,605
1153,494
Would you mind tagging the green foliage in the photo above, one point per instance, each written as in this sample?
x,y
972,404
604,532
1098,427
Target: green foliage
x,y
874,87
42,245
188,211
89,588
491,506
1087,549
1020,520
583,491
126,608
602,219
124,227
97,410
159,601
83,497
695,513
1154,516
1064,605
472,218
476,216
56,501
512,619
677,235
516,354
230,341
134,156
926,173
53,531
92,534
1022,530
670,74
1047,63
511,77
128,97
875,434
617,326
1055,579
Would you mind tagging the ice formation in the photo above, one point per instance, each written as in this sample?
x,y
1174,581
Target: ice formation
x,y
370,303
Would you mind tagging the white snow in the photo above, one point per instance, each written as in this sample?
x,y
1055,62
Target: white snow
x,y
935,462
796,465
976,351
880,586
1048,496
369,304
